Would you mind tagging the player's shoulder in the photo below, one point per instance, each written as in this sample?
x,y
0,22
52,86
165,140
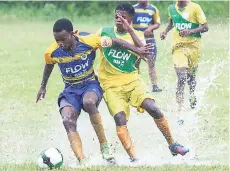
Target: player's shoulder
x,y
153,7
52,48
195,5
136,5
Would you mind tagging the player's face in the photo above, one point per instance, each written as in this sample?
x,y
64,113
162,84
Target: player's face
x,y
125,15
143,1
64,39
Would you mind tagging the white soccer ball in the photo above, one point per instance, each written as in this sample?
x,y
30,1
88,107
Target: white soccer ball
x,y
50,158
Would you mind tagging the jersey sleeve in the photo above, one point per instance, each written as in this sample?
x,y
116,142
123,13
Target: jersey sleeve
x,y
200,16
169,15
48,53
156,17
97,41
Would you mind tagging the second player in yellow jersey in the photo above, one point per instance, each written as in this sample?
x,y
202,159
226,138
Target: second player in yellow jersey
x,y
189,21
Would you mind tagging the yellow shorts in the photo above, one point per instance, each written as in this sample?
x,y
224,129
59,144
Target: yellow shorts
x,y
186,57
119,98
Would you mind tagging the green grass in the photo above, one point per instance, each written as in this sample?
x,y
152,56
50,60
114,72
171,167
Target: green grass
x,y
27,128
33,167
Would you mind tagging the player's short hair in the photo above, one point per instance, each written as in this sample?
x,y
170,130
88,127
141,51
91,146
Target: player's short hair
x,y
63,24
125,6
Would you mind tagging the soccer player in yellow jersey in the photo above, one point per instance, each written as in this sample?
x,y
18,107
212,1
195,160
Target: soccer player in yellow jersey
x,y
189,21
75,55
122,84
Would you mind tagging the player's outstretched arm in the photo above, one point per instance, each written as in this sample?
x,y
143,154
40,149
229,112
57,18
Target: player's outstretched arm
x,y
168,28
46,74
142,51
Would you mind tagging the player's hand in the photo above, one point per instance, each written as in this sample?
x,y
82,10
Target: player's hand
x,y
163,35
41,94
144,51
148,32
184,32
127,26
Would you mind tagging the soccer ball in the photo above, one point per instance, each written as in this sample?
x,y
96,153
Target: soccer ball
x,y
50,158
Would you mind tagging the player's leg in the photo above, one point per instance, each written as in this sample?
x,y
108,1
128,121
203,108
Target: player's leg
x,y
91,100
193,57
69,118
144,101
151,65
180,60
162,124
191,80
181,80
116,101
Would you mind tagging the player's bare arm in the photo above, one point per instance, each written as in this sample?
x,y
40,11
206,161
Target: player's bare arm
x,y
203,28
129,28
168,28
149,30
46,74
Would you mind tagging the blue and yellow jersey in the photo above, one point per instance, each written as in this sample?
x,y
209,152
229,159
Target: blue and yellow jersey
x,y
144,17
76,66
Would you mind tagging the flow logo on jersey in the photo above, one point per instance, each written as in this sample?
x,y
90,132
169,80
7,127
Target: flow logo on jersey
x,y
119,55
144,19
77,68
181,26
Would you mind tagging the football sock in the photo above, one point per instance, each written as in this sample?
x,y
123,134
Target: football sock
x,y
98,127
76,145
163,126
125,139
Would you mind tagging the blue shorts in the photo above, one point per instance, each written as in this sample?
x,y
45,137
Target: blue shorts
x,y
152,41
73,95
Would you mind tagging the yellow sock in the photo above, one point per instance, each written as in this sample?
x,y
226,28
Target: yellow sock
x,y
125,139
163,126
98,127
76,145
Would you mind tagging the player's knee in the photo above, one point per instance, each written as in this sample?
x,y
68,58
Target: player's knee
x,y
88,103
150,106
69,119
120,119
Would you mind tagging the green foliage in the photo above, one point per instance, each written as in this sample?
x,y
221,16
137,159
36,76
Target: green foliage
x,y
95,10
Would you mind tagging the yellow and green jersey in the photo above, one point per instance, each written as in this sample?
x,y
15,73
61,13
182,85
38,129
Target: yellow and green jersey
x,y
117,65
189,17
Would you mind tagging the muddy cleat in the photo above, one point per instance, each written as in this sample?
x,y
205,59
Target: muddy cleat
x,y
156,89
193,102
133,160
106,153
178,149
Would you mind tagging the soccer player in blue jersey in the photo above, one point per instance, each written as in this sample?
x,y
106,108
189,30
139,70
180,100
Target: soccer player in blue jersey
x,y
147,19
75,55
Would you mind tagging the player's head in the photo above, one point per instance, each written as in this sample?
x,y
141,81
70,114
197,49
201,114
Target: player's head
x,y
127,12
63,33
143,2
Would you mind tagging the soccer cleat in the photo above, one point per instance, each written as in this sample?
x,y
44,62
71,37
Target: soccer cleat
x,y
106,153
155,88
133,160
193,102
178,149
